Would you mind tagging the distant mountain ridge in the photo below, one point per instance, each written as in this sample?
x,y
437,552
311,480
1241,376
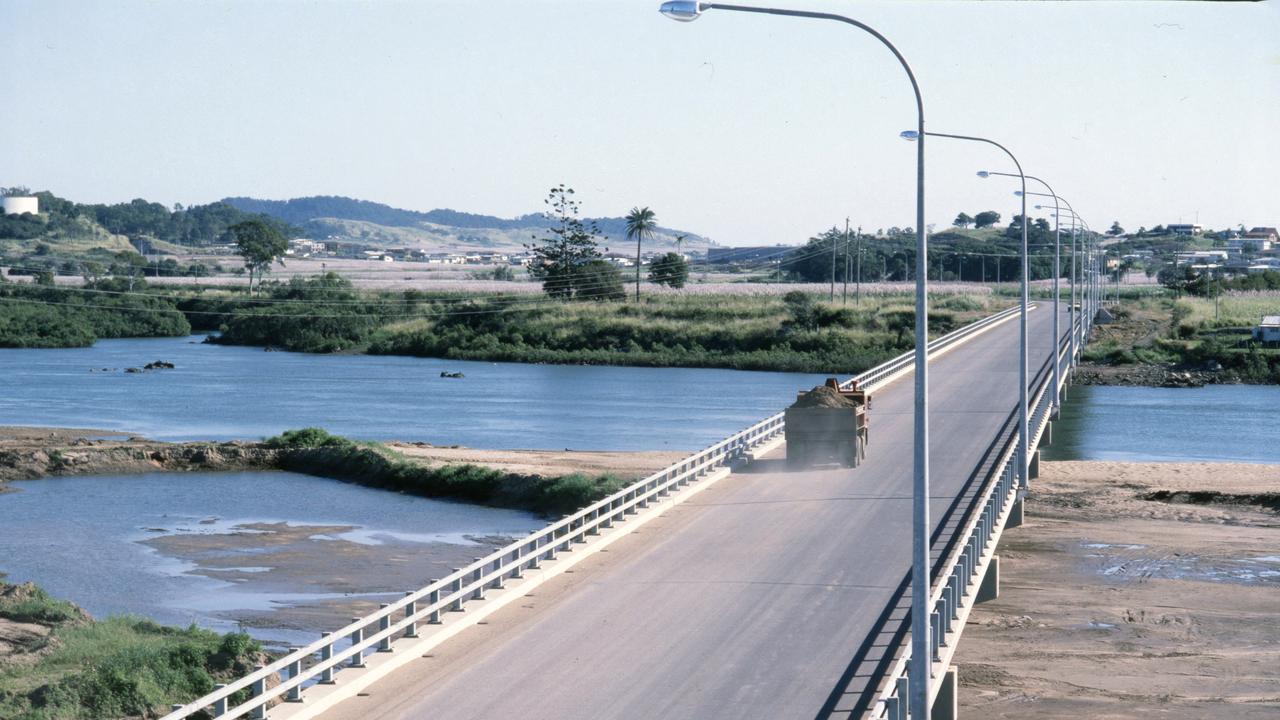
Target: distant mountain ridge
x,y
365,221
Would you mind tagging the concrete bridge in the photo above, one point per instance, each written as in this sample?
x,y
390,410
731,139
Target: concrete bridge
x,y
721,587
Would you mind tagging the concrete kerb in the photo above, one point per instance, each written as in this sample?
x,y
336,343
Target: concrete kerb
x,y
350,681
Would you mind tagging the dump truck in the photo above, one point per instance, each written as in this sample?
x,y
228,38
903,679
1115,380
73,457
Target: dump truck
x,y
827,425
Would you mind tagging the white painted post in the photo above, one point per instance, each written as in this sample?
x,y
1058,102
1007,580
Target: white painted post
x,y
409,611
220,705
384,624
326,653
456,589
478,593
295,692
357,637
259,712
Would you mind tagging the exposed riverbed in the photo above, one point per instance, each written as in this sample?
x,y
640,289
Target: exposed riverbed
x,y
284,555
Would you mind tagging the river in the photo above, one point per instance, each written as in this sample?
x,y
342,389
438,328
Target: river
x,y
282,555
219,392
1214,423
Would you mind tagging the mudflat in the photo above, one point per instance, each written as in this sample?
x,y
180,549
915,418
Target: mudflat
x,y
1134,590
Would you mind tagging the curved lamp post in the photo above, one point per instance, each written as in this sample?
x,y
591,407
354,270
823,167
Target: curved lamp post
x,y
1072,217
1057,271
1023,452
921,651
1085,270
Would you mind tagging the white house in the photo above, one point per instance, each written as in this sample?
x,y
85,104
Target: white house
x,y
1268,331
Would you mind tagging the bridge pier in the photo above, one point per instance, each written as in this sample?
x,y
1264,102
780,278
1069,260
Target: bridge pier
x,y
1015,512
946,705
1033,467
989,588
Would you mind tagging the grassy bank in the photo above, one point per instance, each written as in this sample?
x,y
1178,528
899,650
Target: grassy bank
x,y
39,316
323,314
1190,334
792,332
316,452
66,665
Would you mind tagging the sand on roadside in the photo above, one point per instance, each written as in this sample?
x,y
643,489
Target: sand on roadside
x,y
1133,590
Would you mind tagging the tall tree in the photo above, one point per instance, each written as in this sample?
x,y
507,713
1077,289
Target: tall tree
x,y
962,220
640,222
671,269
986,218
1115,229
260,244
568,245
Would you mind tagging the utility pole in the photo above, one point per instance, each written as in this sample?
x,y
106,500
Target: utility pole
x,y
859,272
844,291
832,297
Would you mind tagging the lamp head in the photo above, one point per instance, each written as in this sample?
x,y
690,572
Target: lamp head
x,y
909,135
983,174
682,10
1017,193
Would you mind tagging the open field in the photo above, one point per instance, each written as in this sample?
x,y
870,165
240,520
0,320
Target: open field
x,y
1133,590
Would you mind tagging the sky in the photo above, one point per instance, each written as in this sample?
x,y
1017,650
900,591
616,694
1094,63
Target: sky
x,y
748,129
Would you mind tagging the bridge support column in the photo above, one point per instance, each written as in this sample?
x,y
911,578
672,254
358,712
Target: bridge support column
x,y
1033,467
946,706
989,588
1015,513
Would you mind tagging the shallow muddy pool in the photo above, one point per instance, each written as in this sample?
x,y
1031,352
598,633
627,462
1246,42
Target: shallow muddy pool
x,y
282,555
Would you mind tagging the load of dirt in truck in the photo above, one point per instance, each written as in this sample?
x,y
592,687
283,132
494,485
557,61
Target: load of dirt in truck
x,y
824,396
827,425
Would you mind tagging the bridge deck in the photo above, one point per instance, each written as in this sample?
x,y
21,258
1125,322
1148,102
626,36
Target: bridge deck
x,y
748,601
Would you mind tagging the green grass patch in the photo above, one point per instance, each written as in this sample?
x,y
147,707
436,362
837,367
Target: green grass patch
x,y
315,451
122,667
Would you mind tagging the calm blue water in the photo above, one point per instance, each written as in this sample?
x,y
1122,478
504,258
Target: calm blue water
x,y
1221,423
220,392
81,539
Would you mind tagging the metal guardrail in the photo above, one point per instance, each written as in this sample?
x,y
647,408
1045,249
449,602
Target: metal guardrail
x,y
956,582
322,660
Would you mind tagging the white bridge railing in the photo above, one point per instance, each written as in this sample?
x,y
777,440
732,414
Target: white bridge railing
x,y
323,660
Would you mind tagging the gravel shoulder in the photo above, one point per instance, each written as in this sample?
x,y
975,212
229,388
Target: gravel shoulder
x,y
1133,590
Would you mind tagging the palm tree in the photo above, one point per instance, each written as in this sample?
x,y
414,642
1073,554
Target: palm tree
x,y
679,242
640,222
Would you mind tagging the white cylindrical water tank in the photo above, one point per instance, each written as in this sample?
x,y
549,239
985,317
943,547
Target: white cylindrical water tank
x,y
16,205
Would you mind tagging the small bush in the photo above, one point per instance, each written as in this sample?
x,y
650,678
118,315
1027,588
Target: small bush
x,y
311,437
39,607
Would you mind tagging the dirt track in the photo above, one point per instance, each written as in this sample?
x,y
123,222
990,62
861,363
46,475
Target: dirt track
x,y
1116,606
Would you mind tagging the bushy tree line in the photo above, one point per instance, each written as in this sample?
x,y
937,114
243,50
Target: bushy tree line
x,y
195,225
41,316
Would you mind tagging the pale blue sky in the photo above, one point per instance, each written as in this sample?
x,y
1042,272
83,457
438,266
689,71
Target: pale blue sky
x,y
749,129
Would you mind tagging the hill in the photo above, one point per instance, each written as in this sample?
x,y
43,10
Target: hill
x,y
365,222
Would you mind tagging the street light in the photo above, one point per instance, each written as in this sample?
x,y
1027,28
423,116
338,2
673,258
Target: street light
x,y
1024,457
1057,271
921,650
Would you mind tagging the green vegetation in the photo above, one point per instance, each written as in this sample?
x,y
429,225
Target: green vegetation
x,y
1185,334
566,258
747,333
119,667
670,269
37,606
42,316
641,222
316,452
260,244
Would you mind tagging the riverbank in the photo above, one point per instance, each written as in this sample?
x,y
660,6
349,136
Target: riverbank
x,y
58,662
1189,342
1133,589
548,482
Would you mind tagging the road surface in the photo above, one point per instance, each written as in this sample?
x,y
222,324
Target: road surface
x,y
747,601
